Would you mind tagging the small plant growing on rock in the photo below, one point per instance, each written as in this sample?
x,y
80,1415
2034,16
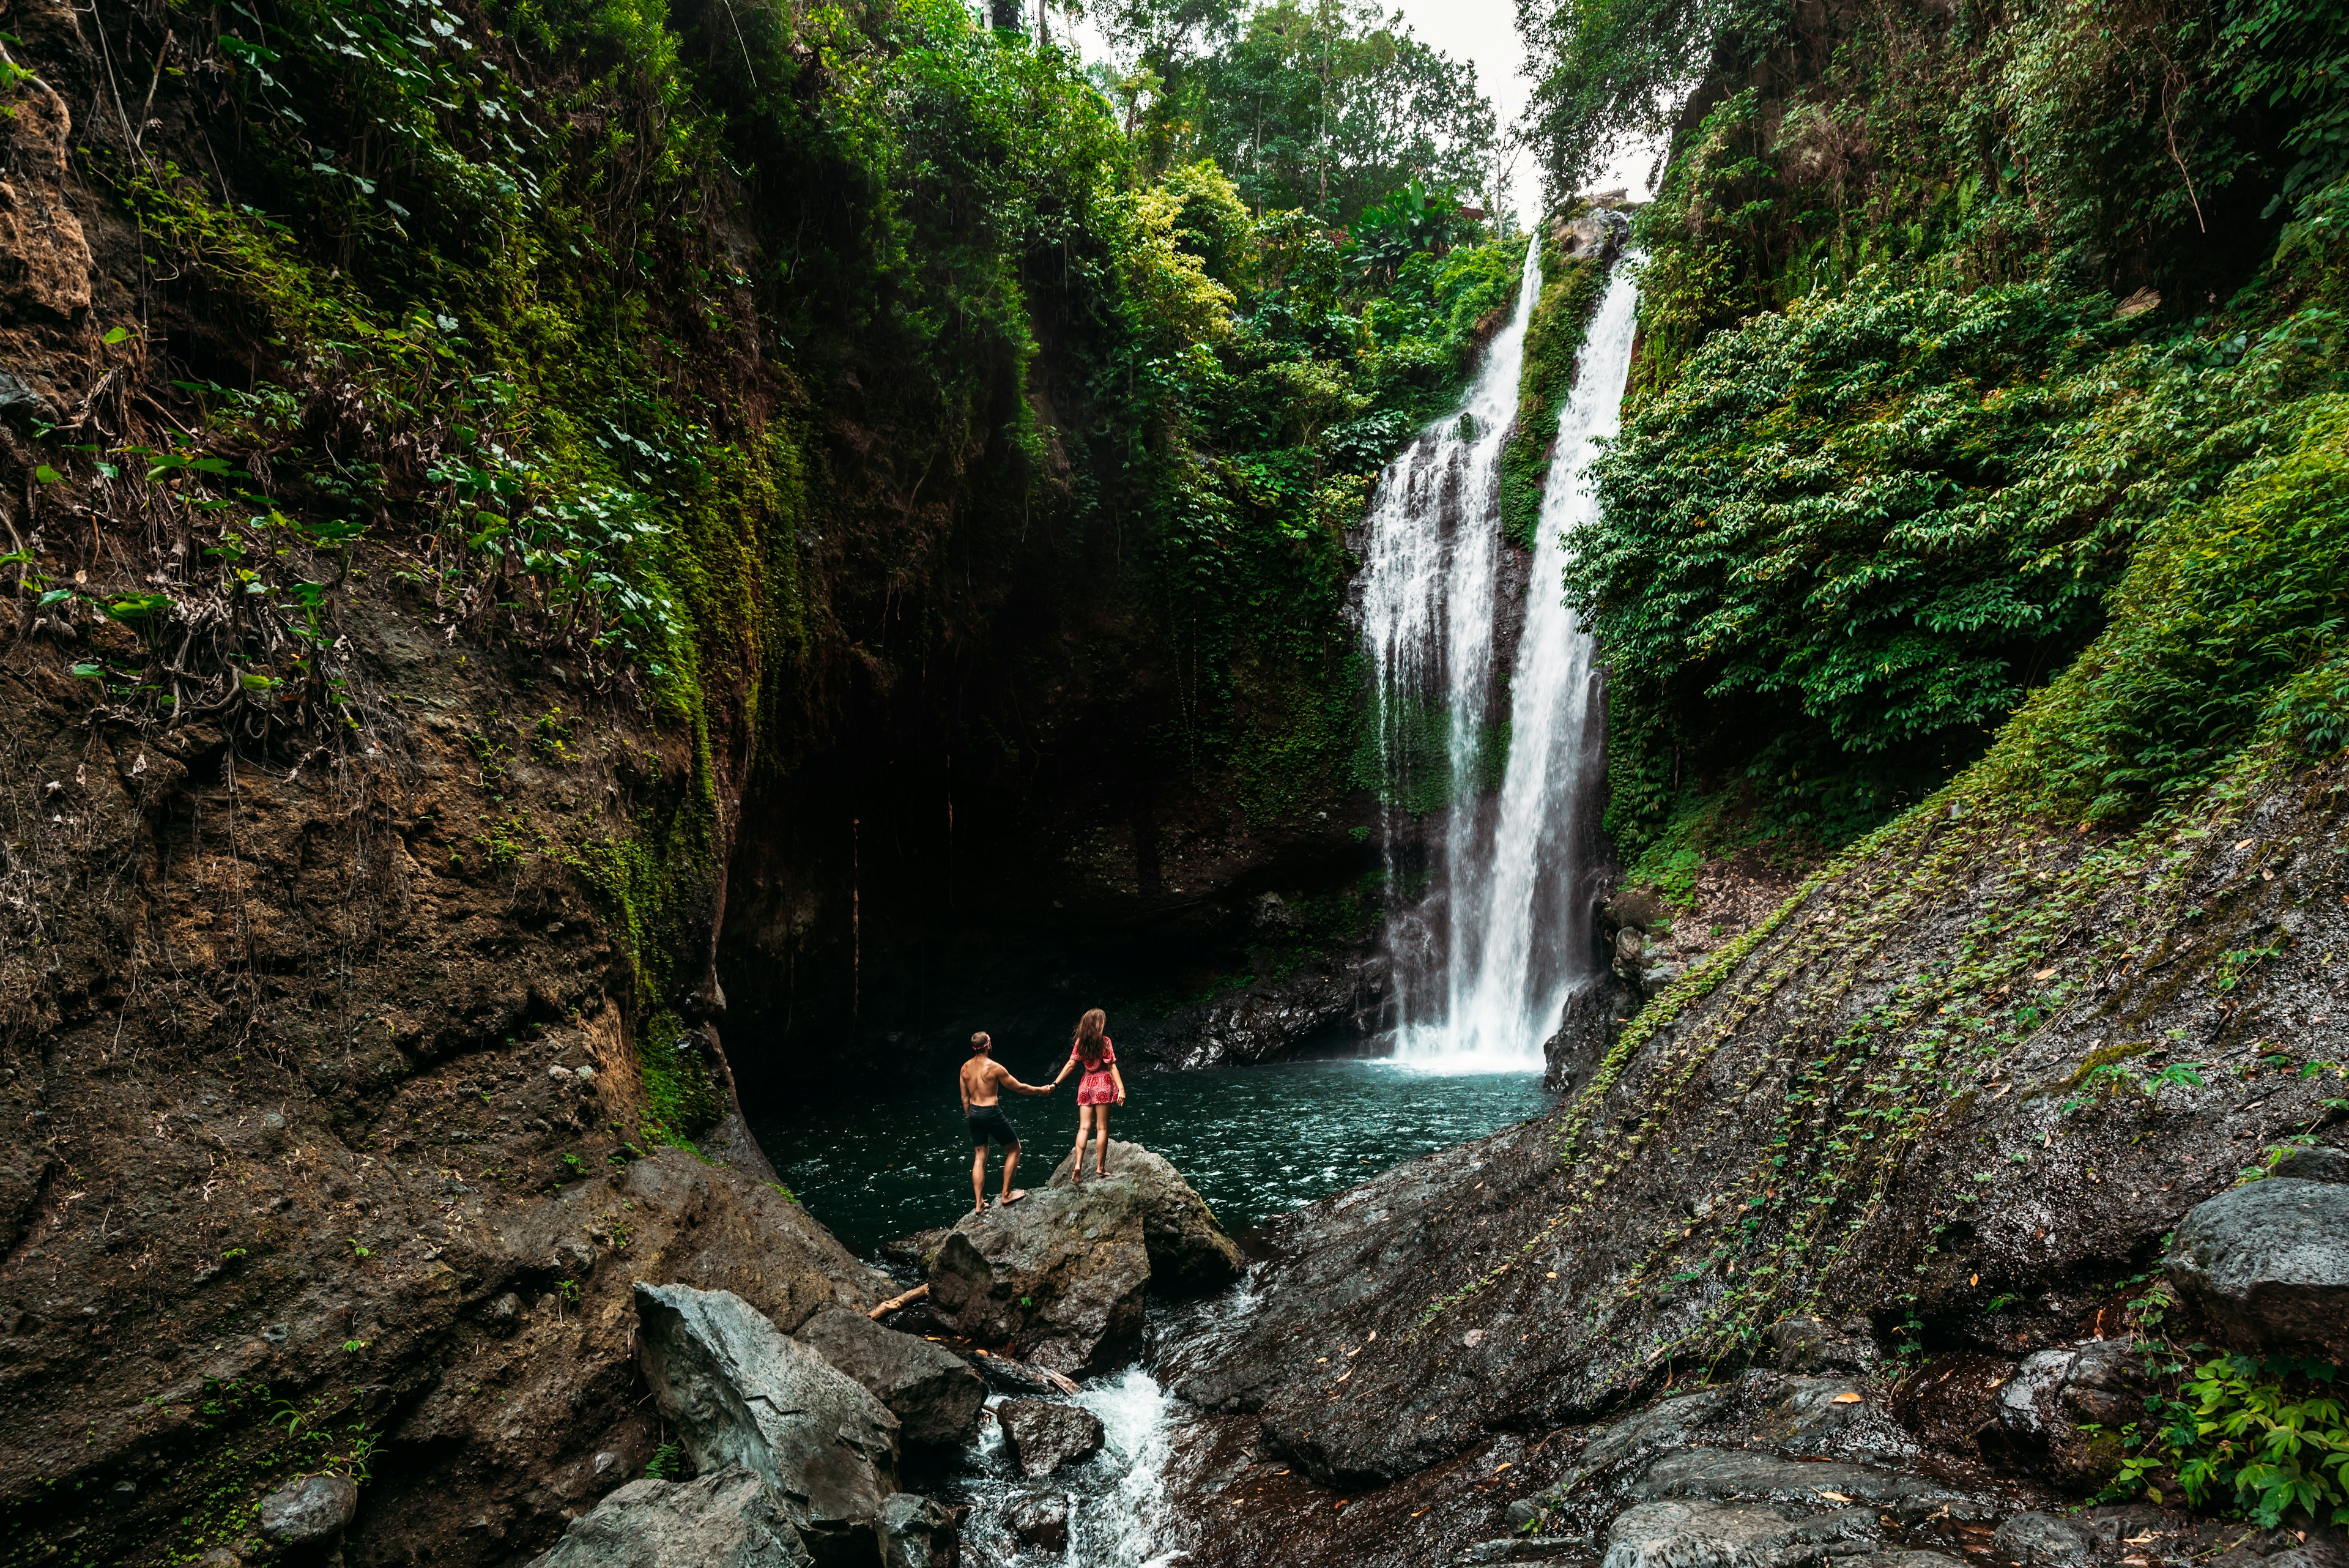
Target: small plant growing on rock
x,y
2264,1436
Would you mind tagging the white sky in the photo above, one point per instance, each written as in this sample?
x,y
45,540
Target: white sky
x,y
1483,31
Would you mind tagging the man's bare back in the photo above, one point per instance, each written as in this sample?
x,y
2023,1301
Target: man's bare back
x,y
982,1081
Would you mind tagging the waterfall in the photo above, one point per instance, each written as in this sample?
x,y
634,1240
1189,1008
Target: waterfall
x,y
1481,965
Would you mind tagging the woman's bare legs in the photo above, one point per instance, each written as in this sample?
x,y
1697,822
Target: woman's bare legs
x,y
1084,1125
1101,1145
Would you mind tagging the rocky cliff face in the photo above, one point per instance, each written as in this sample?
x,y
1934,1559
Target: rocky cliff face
x,y
1958,1089
328,1128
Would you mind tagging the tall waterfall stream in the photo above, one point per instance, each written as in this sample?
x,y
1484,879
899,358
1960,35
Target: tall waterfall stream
x,y
1483,962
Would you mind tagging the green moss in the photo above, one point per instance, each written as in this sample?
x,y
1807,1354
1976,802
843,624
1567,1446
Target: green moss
x,y
1571,289
681,1100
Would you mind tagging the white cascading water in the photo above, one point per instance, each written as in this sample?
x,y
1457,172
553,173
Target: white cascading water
x,y
1482,965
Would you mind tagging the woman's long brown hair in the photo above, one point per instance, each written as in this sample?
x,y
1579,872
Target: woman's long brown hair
x,y
1091,1036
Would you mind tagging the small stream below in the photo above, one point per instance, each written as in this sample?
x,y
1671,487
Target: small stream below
x,y
1254,1141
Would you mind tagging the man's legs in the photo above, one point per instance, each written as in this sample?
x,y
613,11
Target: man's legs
x,y
1010,1164
979,1177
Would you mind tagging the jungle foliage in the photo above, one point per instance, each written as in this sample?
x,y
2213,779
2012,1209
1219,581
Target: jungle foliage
x,y
1970,343
1323,106
641,337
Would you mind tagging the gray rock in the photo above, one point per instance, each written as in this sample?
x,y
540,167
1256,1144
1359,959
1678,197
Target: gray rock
x,y
2315,1163
1731,1535
1807,1344
2267,1263
933,1392
1813,1415
1043,1523
915,1532
1905,1560
2048,1406
220,1557
2027,1403
1063,1277
1734,1474
1525,1549
310,1510
743,1395
916,1249
2043,1538
725,1520
1189,1249
15,398
1044,1437
1667,1424
1598,232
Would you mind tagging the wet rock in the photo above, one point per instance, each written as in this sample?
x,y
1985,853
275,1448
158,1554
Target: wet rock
x,y
1044,1437
1188,1250
1729,1535
915,1532
1335,994
1807,1344
1533,1551
1594,1014
1725,1475
916,1249
741,1394
1666,1425
2048,1404
1813,1415
934,1394
2043,1538
2026,1405
728,1519
1061,1278
1043,1523
309,1511
2267,1263
2315,1163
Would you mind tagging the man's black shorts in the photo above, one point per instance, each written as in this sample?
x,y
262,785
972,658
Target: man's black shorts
x,y
989,1122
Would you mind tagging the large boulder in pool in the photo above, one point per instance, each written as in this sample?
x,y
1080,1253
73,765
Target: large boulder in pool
x,y
743,1395
1060,1277
933,1392
1189,1253
2269,1264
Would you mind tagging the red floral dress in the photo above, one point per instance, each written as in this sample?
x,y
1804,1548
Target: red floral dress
x,y
1097,1088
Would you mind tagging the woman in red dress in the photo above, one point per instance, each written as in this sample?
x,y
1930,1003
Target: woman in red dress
x,y
1100,1089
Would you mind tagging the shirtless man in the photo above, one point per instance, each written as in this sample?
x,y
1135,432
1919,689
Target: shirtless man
x,y
984,1077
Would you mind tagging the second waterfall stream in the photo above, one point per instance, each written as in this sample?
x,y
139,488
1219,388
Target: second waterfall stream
x,y
1488,769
